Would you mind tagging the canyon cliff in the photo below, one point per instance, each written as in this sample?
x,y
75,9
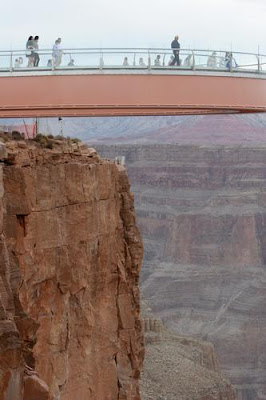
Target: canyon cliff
x,y
70,262
177,367
202,214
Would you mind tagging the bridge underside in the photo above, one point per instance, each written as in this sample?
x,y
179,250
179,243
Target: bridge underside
x,y
108,94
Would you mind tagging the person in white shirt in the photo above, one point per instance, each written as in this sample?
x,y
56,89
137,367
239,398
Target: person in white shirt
x,y
157,61
125,62
212,60
188,61
57,53
141,62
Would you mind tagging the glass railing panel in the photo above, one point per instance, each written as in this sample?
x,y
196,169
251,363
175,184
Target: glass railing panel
x,y
262,63
247,62
5,61
133,59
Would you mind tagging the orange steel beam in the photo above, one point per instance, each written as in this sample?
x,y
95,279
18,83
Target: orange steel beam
x,y
107,94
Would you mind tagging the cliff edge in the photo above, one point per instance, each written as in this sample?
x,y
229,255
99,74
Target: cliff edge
x,y
70,262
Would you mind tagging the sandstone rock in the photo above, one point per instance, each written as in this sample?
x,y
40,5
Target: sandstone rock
x,y
71,255
35,388
3,153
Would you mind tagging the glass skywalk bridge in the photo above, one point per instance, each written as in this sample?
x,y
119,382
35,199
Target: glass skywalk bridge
x,y
138,59
117,82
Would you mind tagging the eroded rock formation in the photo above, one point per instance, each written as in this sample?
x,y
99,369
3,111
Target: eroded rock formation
x,y
202,213
70,261
180,368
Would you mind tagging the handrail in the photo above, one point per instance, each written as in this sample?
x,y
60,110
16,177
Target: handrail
x,y
133,49
101,58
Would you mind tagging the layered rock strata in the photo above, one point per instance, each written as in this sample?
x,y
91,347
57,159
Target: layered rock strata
x,y
180,368
70,261
202,214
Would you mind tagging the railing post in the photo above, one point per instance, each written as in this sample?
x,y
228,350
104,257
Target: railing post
x,y
193,61
231,62
11,62
259,67
149,60
101,62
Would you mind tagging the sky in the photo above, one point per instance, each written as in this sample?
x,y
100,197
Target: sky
x,y
203,24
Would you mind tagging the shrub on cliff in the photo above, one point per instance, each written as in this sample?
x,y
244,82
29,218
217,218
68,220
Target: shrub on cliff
x,y
44,140
17,135
49,144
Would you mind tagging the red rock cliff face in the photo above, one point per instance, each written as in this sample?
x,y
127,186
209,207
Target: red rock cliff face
x,y
70,261
202,214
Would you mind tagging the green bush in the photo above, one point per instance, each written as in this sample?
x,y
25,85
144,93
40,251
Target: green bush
x,y
16,135
40,138
49,144
76,140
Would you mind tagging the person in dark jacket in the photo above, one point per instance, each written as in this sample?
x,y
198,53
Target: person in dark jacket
x,y
175,45
29,43
35,52
29,52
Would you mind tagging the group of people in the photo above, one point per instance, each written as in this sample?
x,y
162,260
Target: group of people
x,y
227,61
174,60
32,47
213,61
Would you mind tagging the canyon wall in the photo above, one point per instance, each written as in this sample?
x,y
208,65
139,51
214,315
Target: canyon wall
x,y
177,367
70,262
202,214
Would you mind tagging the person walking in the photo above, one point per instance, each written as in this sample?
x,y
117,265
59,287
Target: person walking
x,y
175,45
57,52
35,52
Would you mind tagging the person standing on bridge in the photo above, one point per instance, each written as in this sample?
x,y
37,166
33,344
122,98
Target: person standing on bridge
x,y
125,62
35,52
141,62
29,51
57,53
157,61
212,60
175,45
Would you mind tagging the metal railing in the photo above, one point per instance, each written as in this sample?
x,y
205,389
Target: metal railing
x,y
133,58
